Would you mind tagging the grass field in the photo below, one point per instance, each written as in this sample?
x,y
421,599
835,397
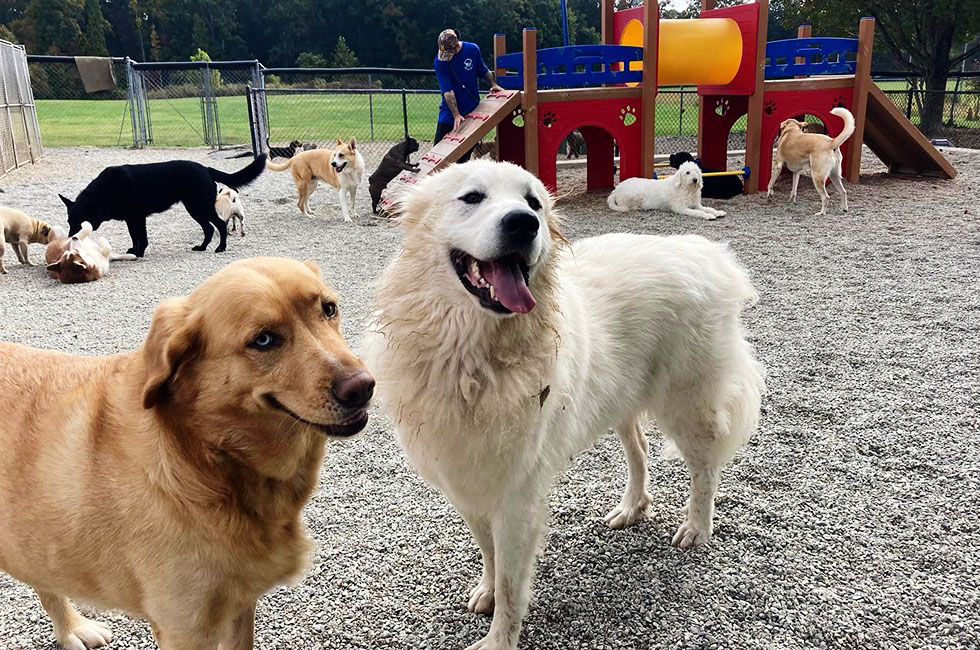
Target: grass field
x,y
312,117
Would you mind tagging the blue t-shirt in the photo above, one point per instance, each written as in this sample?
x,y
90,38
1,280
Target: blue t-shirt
x,y
462,75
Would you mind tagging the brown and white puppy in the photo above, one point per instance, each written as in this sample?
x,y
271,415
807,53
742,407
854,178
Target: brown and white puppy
x,y
820,154
83,257
341,167
168,481
229,208
19,230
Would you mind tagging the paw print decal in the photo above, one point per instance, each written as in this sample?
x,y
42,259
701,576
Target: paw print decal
x,y
517,118
722,106
840,102
548,119
627,114
769,108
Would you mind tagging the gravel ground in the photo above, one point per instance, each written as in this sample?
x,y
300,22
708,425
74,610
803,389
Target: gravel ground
x,y
850,521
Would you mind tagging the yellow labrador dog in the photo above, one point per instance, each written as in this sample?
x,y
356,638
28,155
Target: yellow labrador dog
x,y
19,230
818,153
168,481
502,352
341,167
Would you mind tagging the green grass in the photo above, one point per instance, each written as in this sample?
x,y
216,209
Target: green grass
x,y
321,117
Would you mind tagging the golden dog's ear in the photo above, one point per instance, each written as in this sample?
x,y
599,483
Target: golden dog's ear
x,y
340,142
353,144
311,265
171,342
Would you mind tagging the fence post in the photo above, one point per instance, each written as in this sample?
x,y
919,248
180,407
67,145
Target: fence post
x,y
371,106
206,108
6,101
131,97
261,108
405,113
680,117
908,105
251,118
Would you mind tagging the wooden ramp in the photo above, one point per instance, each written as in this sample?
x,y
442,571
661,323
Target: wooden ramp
x,y
488,114
898,143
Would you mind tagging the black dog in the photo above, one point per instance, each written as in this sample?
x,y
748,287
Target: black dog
x,y
715,187
394,162
283,152
131,193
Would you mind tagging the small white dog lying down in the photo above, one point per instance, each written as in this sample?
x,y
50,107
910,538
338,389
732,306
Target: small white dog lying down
x,y
229,208
679,193
502,352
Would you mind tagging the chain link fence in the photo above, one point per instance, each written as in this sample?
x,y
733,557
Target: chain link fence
x,y
209,104
20,140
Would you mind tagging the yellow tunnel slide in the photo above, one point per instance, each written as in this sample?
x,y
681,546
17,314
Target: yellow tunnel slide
x,y
705,51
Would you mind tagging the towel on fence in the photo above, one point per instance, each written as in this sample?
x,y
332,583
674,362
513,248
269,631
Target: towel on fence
x,y
96,73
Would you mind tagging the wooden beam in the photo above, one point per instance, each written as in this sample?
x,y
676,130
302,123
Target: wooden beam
x,y
753,129
810,83
862,83
608,22
707,5
499,49
530,100
803,31
648,99
579,94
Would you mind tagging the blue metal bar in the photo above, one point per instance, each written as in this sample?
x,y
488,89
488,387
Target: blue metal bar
x,y
564,23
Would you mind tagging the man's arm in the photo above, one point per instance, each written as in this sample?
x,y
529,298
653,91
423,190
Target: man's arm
x,y
453,108
492,80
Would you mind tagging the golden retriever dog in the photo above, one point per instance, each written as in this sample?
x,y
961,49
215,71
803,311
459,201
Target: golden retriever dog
x,y
168,481
19,230
502,352
818,153
83,257
341,167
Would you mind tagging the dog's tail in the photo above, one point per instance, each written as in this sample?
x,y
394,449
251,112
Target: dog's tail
x,y
242,177
278,167
613,205
845,115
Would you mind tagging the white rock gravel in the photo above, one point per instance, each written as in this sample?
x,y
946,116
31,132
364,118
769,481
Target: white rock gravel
x,y
851,521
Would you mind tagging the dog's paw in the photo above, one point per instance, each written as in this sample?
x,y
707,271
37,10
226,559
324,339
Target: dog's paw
x,y
689,535
199,248
720,213
220,249
708,217
481,598
629,511
490,642
87,634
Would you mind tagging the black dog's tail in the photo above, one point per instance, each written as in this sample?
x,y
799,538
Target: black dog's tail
x,y
242,177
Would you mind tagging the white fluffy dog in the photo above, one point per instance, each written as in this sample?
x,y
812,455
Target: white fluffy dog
x,y
679,193
229,208
502,352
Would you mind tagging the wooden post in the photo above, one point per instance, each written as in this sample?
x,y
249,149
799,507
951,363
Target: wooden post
x,y
862,84
648,97
608,23
499,49
803,31
530,100
706,5
753,129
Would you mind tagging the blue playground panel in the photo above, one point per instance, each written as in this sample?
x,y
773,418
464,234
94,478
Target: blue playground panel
x,y
822,56
578,66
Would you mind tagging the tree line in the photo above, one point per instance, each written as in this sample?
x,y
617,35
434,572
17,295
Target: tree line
x,y
926,37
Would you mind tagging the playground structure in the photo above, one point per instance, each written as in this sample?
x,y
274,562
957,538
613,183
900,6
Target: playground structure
x,y
608,93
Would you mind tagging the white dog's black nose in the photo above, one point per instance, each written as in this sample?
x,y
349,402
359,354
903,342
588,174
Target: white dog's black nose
x,y
519,227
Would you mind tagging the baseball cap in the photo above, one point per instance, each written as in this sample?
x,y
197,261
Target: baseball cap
x,y
448,42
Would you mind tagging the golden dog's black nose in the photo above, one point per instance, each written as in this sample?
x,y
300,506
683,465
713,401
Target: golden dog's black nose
x,y
354,391
519,227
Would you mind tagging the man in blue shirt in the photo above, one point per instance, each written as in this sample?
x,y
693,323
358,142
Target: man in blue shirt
x,y
459,67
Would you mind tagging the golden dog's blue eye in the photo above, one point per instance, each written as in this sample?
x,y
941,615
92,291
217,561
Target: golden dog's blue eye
x,y
532,202
472,198
329,309
265,341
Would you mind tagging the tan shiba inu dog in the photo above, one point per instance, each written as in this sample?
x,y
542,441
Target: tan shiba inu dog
x,y
19,230
341,167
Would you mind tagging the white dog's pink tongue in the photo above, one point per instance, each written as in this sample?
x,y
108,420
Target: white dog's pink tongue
x,y
509,286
